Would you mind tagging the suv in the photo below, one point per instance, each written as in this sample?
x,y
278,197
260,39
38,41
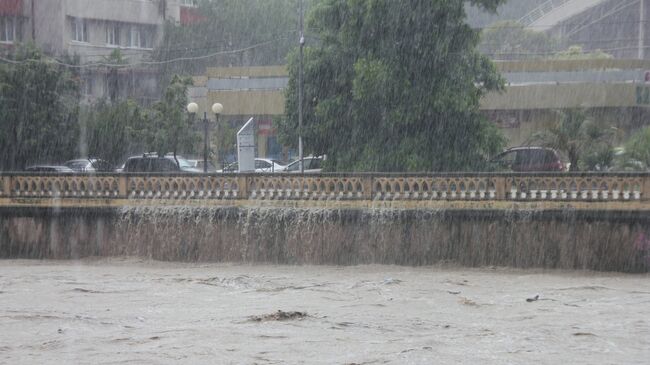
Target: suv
x,y
528,159
153,163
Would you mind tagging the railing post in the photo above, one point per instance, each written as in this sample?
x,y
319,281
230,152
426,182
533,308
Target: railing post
x,y
645,188
242,186
367,187
122,186
500,187
6,186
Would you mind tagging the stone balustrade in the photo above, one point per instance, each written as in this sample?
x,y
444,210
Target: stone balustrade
x,y
361,186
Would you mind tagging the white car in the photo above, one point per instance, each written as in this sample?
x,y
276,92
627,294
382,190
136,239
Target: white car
x,y
261,165
312,165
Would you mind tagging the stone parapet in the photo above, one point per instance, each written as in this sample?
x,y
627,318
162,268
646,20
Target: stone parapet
x,y
620,189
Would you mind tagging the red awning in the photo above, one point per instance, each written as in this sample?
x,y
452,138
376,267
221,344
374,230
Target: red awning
x,y
190,16
11,7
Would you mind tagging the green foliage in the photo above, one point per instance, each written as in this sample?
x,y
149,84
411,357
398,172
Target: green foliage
x,y
112,131
170,129
509,10
509,40
576,53
393,86
112,79
587,144
637,151
38,110
227,25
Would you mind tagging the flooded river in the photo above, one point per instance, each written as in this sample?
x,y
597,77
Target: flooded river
x,y
116,311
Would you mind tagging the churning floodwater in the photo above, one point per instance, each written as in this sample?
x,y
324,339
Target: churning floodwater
x,y
114,311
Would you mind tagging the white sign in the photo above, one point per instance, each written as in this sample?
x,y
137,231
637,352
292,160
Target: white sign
x,y
246,147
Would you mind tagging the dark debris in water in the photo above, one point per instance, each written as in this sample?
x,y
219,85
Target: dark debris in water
x,y
584,334
533,299
82,290
279,316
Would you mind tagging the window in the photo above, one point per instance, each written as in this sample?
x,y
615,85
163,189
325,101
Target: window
x,y
88,85
137,37
79,30
112,34
188,2
7,29
262,164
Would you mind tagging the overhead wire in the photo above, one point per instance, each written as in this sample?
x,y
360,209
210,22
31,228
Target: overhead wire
x,y
144,63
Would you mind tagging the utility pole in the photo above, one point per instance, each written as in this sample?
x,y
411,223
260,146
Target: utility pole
x,y
642,20
300,91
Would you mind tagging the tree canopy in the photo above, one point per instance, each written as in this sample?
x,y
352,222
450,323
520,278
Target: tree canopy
x,y
637,150
393,86
171,129
511,40
38,110
114,130
223,26
587,144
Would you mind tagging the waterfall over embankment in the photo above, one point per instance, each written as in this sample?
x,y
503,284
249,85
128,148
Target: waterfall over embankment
x,y
565,239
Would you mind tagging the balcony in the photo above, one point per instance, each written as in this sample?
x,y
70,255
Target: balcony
x,y
128,11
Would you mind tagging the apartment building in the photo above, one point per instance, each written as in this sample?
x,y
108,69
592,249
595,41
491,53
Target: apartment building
x,y
91,30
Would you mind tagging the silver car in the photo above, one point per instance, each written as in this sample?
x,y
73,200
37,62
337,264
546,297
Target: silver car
x,y
89,165
312,165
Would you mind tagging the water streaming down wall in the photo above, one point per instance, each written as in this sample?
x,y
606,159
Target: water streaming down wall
x,y
566,239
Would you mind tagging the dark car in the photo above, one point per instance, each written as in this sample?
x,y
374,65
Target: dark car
x,y
89,165
153,163
48,168
528,159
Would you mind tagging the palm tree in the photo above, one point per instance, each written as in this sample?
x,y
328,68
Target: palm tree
x,y
580,138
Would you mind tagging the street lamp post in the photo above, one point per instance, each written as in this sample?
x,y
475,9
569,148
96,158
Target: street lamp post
x,y
300,91
217,108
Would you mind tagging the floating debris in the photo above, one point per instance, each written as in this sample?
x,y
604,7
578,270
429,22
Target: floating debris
x,y
533,299
467,301
279,316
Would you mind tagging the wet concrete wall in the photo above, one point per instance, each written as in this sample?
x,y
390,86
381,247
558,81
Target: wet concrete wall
x,y
564,239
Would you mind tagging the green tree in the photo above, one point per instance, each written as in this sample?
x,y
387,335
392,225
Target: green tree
x,y
636,154
38,110
587,144
170,129
393,86
511,40
113,79
226,25
577,53
113,130
510,10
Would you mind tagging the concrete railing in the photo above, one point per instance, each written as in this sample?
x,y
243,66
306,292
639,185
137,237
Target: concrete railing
x,y
589,187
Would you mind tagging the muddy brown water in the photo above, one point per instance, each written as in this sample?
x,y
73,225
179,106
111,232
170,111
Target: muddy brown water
x,y
124,310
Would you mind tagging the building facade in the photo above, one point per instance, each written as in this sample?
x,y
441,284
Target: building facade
x,y
89,31
615,92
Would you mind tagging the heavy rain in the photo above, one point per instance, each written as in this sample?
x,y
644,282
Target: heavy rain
x,y
324,181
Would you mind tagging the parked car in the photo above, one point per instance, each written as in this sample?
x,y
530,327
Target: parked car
x,y
48,168
153,163
261,165
312,165
89,165
528,159
198,164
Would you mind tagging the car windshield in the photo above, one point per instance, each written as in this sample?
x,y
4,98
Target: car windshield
x,y
183,163
77,164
